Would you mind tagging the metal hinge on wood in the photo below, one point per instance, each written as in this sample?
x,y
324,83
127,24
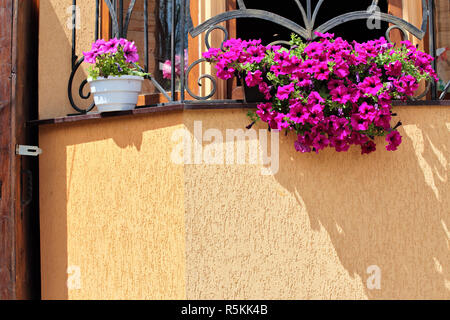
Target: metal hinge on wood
x,y
32,151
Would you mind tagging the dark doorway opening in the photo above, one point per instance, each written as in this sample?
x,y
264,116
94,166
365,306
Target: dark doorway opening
x,y
269,32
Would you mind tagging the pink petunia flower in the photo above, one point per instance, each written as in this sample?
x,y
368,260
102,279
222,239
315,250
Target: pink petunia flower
x,y
254,78
371,85
359,123
285,91
265,89
320,142
340,95
212,53
383,118
394,139
167,70
339,144
264,112
394,69
91,56
368,147
256,54
111,46
367,111
130,52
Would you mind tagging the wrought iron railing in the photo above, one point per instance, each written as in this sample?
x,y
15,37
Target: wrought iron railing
x,y
120,24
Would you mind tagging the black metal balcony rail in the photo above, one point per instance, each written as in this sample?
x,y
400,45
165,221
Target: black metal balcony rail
x,y
120,24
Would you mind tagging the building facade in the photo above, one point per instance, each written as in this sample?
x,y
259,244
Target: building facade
x,y
120,219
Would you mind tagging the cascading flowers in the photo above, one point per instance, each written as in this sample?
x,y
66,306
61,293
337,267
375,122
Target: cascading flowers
x,y
330,92
115,57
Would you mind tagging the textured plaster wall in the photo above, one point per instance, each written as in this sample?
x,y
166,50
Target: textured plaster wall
x,y
55,48
112,211
139,226
313,229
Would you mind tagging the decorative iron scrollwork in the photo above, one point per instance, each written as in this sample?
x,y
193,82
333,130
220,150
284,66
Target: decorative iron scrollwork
x,y
202,60
119,27
307,30
309,17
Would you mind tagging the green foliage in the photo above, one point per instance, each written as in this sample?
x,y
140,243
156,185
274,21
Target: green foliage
x,y
114,65
253,116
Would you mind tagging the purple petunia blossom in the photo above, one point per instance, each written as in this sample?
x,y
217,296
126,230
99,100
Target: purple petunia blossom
x,y
285,91
91,56
320,142
359,123
367,111
264,112
130,52
371,85
368,147
301,147
394,139
254,78
110,46
383,118
211,53
333,93
394,69
303,143
341,95
339,144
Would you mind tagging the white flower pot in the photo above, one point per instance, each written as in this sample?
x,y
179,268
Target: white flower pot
x,y
116,93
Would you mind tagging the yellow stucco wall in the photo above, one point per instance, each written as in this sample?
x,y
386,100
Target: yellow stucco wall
x,y
139,226
112,210
55,47
120,220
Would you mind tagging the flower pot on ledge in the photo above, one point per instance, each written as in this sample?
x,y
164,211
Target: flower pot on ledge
x,y
116,93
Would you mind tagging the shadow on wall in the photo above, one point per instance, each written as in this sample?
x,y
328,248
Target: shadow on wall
x,y
91,232
55,54
313,230
390,210
54,71
245,237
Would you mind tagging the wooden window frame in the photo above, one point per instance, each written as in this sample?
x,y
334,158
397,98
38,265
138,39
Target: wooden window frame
x,y
395,7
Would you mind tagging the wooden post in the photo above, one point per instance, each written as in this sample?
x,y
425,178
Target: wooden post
x,y
232,31
105,30
396,9
19,262
7,274
194,50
